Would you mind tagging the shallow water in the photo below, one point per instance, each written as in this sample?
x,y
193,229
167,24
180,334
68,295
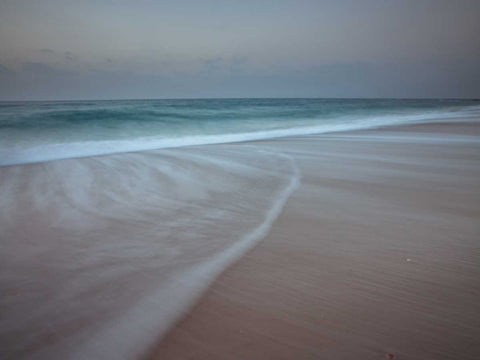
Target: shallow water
x,y
100,255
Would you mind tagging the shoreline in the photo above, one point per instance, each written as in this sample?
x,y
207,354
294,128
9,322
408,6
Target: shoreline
x,y
340,255
77,150
374,254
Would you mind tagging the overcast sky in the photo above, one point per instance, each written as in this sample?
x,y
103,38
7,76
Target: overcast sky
x,y
106,49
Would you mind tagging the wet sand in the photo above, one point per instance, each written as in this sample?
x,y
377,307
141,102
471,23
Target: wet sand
x,y
100,255
376,255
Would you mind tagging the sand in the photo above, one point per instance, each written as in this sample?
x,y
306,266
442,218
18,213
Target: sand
x,y
376,255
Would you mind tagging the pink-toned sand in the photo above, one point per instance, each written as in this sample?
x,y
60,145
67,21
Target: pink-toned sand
x,y
376,255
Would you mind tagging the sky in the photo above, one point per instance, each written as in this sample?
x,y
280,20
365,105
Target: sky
x,y
119,49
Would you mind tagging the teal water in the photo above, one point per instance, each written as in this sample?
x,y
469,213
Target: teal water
x,y
41,131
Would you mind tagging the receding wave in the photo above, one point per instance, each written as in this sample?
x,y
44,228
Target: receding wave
x,y
100,255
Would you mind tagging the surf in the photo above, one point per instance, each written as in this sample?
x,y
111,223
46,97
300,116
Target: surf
x,y
33,132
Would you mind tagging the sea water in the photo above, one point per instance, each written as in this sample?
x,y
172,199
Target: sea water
x,y
41,131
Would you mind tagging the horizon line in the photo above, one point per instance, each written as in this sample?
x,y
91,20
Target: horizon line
x,y
246,98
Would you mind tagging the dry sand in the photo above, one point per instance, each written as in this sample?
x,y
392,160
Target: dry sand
x,y
376,255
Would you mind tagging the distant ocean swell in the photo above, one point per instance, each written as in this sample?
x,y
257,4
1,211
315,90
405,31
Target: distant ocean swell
x,y
36,132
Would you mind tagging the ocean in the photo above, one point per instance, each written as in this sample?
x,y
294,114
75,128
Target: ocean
x,y
42,131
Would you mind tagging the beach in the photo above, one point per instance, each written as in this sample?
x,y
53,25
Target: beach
x,y
358,244
239,180
376,255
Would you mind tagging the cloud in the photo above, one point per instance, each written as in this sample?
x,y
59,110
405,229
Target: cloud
x,y
36,68
69,56
47,51
4,69
39,80
238,64
212,64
